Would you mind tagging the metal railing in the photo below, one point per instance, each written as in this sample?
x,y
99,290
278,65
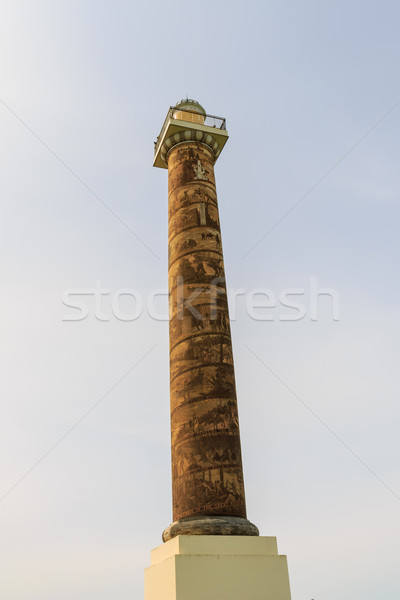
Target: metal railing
x,y
192,117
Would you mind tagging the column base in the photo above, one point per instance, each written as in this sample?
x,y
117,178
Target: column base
x,y
209,525
217,568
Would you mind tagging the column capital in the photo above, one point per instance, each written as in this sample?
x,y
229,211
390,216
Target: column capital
x,y
184,125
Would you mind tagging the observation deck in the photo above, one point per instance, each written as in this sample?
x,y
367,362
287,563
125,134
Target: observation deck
x,y
188,121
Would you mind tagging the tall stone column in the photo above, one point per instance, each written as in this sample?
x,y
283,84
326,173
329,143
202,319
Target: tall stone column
x,y
211,550
207,473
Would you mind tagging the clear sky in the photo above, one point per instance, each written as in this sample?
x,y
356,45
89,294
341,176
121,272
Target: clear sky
x,y
311,94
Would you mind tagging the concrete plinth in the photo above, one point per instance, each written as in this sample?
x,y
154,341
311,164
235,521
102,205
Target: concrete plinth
x,y
199,567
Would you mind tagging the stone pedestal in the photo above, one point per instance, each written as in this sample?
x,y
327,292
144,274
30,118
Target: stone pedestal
x,y
211,567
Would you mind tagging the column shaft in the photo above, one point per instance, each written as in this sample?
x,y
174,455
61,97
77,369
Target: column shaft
x,y
207,474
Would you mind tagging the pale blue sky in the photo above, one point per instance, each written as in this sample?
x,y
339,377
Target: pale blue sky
x,y
300,83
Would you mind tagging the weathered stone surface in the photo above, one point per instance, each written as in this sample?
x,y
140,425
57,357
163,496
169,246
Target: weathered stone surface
x,y
210,526
207,474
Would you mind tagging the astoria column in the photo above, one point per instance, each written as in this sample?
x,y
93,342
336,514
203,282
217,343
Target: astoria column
x,y
207,474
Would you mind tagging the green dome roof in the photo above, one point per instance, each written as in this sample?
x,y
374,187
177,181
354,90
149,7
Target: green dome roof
x,y
191,104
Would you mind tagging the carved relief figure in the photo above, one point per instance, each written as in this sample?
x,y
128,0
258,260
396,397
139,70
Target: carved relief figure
x,y
199,171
